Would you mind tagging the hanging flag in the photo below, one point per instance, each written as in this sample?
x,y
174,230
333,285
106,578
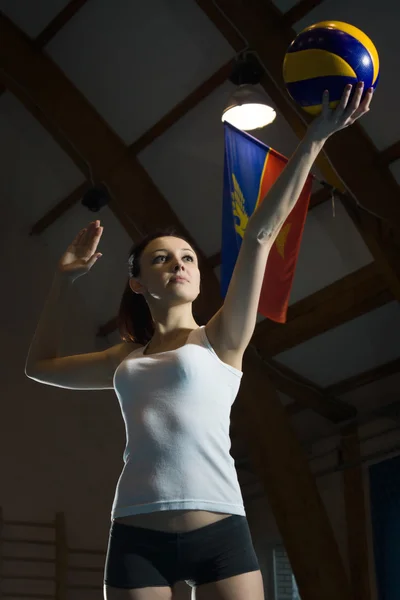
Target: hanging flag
x,y
250,169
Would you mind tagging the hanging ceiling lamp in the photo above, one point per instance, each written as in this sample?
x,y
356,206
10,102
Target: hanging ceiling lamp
x,y
248,107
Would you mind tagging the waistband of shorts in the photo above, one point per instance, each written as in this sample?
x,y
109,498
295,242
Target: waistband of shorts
x,y
124,529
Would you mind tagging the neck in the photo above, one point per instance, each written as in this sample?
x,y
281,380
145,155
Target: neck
x,y
172,323
161,334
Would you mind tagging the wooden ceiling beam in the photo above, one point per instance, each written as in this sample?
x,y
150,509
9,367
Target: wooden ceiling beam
x,y
42,83
307,394
319,197
183,107
357,519
299,10
75,196
344,300
172,117
366,377
55,213
279,460
66,109
59,21
207,87
390,154
55,25
382,241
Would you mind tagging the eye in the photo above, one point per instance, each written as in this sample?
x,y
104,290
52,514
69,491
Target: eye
x,y
163,256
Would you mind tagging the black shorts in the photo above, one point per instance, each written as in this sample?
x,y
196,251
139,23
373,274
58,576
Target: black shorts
x,y
139,557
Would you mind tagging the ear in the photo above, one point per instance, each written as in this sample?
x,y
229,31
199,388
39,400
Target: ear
x,y
136,286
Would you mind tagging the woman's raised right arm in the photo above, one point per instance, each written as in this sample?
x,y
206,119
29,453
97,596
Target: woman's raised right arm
x,y
92,371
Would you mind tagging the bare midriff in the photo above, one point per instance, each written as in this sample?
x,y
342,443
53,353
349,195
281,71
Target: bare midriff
x,y
173,520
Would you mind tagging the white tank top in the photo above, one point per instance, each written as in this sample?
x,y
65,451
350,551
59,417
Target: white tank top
x,y
176,408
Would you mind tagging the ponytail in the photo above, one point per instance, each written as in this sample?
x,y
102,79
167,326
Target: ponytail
x,y
134,320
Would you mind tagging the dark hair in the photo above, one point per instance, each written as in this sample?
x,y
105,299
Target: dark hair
x,y
134,320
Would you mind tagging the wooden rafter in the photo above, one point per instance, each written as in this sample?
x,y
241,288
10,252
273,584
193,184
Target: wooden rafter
x,y
347,385
172,117
59,21
318,197
175,114
64,143
308,395
382,242
299,10
201,92
64,205
356,514
42,82
337,303
59,209
55,25
282,466
390,154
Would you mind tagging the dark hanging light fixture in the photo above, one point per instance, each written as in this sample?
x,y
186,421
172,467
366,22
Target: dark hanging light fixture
x,y
248,107
96,198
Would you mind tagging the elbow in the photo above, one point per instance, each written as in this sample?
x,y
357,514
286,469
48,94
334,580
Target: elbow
x,y
266,231
29,371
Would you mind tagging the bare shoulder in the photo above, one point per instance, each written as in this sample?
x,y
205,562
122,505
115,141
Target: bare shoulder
x,y
120,351
230,356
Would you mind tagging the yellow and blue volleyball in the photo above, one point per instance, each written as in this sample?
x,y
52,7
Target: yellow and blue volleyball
x,y
328,56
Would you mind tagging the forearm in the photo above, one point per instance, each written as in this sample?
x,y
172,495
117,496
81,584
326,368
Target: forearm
x,y
45,342
273,211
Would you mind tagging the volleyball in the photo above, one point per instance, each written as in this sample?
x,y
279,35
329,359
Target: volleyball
x,y
328,56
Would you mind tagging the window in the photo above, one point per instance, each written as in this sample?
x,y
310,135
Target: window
x,y
285,587
384,480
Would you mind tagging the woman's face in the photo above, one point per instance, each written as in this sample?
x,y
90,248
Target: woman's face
x,y
163,259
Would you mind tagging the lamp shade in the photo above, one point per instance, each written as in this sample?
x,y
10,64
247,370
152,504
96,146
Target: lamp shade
x,y
248,109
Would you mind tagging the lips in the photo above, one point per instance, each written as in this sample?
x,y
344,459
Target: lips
x,y
178,279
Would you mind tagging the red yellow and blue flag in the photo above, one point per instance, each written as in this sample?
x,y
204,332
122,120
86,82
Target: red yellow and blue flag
x,y
250,170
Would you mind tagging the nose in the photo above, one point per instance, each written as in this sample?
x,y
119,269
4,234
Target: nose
x,y
178,265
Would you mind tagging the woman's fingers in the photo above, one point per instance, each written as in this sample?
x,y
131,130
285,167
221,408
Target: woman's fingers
x,y
355,103
90,232
364,106
349,112
368,98
78,238
325,103
94,242
341,107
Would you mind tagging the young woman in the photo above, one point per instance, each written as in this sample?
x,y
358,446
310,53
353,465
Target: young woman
x,y
178,513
